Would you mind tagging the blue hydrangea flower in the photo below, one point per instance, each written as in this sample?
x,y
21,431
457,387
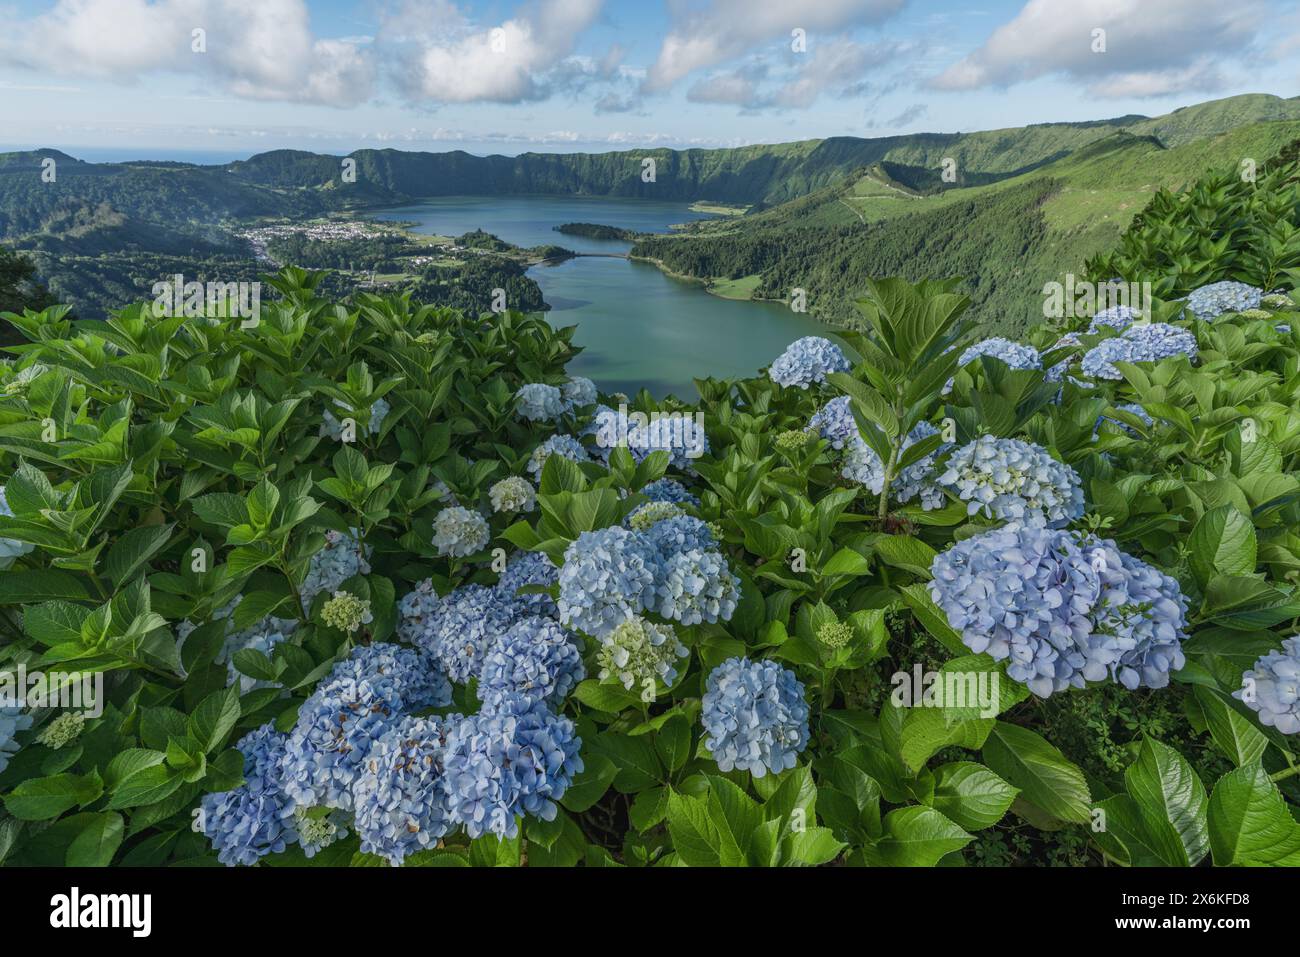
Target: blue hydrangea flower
x,y
263,637
12,720
918,480
10,548
834,422
530,568
681,533
416,611
514,759
1272,688
1116,317
608,576
465,624
755,716
694,587
606,425
1061,610
1147,343
808,361
351,708
565,445
342,557
401,803
681,436
256,818
459,532
538,402
1210,302
333,427
669,490
1010,479
1140,621
863,466
579,392
1022,595
536,658
1017,355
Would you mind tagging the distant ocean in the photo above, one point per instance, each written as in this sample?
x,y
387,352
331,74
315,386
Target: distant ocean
x,y
101,154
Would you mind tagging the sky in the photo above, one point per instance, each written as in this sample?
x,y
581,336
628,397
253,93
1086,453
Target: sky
x,y
227,78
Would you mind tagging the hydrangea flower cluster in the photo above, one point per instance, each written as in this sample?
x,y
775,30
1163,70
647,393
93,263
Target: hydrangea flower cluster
x,y
1010,479
416,610
612,574
530,568
333,427
565,445
538,402
604,426
513,494
834,422
755,716
669,490
1116,317
459,532
401,804
342,557
608,576
639,651
263,636
863,466
514,758
10,549
682,437
1057,372
534,658
256,818
1060,609
1272,688
12,720
351,708
463,626
1210,302
807,362
1017,355
1148,343
579,391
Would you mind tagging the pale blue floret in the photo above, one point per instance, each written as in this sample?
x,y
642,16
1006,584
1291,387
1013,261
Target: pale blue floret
x,y
694,587
530,568
460,532
579,392
342,557
1210,302
807,362
1147,343
1008,479
681,533
256,818
755,716
1017,355
681,437
608,576
669,490
834,422
415,612
465,624
534,658
565,445
514,759
538,402
1116,317
863,466
1272,688
400,798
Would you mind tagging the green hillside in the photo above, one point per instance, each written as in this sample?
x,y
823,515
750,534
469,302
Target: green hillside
x,y
1010,236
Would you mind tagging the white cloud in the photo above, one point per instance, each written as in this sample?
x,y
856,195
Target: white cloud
x,y
1152,47
445,58
262,49
727,29
834,67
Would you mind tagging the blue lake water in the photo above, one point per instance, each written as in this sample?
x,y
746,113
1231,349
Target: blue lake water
x,y
638,327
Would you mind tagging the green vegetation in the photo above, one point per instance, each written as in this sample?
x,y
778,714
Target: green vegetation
x,y
596,231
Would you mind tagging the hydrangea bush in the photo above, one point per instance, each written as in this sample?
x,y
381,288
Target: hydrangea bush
x,y
474,634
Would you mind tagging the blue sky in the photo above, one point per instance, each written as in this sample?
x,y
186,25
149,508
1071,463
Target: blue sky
x,y
568,75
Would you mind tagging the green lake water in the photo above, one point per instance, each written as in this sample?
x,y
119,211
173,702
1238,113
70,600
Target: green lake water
x,y
638,327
